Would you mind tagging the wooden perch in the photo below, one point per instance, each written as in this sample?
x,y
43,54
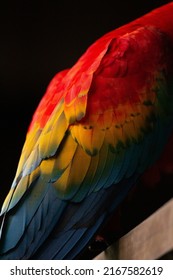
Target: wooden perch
x,y
148,241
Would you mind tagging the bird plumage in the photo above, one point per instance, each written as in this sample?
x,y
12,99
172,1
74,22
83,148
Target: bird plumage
x,y
98,127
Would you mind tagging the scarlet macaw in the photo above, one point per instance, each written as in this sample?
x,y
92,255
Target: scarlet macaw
x,y
98,127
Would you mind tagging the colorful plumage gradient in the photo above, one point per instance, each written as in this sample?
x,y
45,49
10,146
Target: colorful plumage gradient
x,y
98,128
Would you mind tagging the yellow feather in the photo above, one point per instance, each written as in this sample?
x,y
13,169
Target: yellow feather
x,y
49,141
110,137
90,138
75,132
34,175
30,142
46,168
61,184
70,181
66,153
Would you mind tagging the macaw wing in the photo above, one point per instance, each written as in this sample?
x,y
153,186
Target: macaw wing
x,y
46,134
92,148
73,86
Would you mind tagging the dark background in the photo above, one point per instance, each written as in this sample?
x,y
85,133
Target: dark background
x,y
38,39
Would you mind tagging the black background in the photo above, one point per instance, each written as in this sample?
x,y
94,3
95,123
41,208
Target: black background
x,y
38,39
